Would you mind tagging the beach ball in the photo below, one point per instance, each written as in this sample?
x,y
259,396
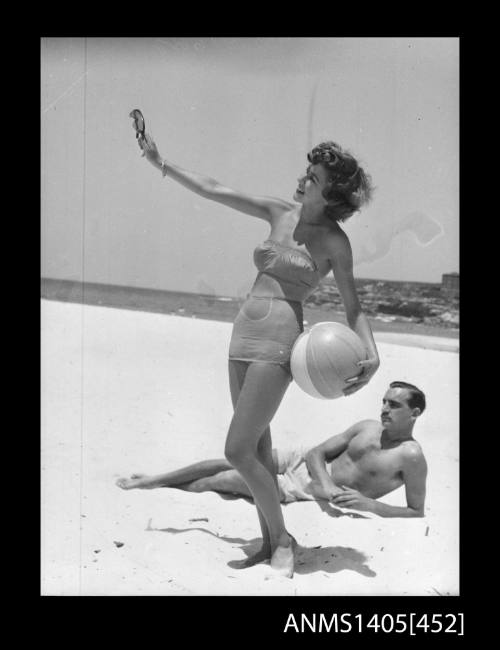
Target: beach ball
x,y
324,357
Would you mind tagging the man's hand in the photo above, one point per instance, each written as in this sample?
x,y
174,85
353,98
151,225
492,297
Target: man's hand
x,y
349,498
324,493
368,369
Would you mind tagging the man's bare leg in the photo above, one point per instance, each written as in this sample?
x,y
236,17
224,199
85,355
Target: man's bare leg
x,y
225,482
203,469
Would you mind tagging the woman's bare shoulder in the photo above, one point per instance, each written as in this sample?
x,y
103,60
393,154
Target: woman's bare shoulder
x,y
336,242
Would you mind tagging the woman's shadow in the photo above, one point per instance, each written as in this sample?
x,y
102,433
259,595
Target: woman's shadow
x,y
330,559
325,506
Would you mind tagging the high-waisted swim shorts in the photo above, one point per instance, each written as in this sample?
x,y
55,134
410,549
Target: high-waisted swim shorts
x,y
265,329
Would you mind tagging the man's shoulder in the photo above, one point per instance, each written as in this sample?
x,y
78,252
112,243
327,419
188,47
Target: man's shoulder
x,y
368,426
412,452
364,431
371,422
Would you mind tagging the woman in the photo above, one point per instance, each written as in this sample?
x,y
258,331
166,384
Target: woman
x,y
305,242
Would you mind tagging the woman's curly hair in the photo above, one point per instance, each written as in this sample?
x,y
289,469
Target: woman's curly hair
x,y
349,185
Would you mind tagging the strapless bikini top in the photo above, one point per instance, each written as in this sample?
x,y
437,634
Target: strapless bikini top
x,y
294,269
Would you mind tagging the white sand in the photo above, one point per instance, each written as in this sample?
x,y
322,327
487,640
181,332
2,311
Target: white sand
x,y
126,391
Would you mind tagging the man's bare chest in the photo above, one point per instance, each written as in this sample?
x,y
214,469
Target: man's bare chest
x,y
371,459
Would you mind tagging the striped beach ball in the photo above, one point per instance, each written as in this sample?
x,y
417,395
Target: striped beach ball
x,y
324,357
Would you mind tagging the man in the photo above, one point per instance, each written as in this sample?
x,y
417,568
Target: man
x,y
351,470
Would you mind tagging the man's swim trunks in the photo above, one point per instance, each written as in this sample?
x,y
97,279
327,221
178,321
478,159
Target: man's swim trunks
x,y
294,480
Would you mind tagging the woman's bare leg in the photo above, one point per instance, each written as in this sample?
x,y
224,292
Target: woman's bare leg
x,y
259,398
237,372
265,455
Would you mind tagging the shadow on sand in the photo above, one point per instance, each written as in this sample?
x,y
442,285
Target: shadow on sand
x,y
329,559
325,506
176,531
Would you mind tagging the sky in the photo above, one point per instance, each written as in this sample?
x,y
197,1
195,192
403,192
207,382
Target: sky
x,y
244,111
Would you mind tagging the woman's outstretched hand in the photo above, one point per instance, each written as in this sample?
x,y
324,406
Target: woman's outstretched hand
x,y
368,369
149,149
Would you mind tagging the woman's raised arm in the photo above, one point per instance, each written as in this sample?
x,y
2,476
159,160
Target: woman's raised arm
x,y
263,207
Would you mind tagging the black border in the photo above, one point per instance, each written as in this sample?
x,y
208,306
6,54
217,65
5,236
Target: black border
x,y
224,619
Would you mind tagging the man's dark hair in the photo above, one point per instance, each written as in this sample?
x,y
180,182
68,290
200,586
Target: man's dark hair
x,y
417,397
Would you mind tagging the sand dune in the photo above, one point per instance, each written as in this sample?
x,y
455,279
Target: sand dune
x,y
126,391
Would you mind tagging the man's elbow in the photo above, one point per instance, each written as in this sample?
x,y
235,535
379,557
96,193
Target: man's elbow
x,y
312,455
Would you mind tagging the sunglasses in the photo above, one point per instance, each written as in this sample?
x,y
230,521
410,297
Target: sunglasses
x,y
139,124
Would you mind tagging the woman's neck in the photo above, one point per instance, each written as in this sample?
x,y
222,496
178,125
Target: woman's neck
x,y
311,226
310,217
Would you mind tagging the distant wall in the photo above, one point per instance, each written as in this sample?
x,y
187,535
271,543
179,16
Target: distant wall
x,y
451,284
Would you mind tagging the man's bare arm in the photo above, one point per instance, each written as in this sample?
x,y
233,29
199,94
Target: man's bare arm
x,y
414,473
415,476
